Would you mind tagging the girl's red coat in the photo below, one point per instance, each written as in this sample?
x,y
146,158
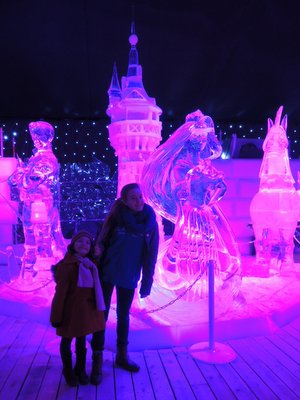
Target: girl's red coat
x,y
73,307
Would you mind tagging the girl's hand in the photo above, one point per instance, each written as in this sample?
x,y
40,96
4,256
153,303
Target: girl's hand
x,y
78,257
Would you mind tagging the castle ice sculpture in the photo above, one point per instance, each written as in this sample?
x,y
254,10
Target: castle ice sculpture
x,y
135,128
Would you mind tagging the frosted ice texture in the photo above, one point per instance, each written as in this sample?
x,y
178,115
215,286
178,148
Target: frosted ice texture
x,y
183,186
38,181
275,209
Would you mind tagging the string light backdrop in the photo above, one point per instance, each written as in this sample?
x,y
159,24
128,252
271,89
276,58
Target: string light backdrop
x,y
89,166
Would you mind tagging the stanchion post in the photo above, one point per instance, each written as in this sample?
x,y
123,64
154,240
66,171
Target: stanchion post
x,y
211,352
211,304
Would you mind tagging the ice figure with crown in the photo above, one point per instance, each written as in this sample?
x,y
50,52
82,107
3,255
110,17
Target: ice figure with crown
x,y
184,187
38,183
275,209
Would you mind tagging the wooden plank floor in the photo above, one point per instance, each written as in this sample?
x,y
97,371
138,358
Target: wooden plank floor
x,y
266,368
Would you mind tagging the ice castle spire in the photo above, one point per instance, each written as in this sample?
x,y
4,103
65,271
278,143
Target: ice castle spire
x,y
114,91
135,129
134,69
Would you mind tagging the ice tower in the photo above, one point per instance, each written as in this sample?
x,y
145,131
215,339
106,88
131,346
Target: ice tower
x,y
135,129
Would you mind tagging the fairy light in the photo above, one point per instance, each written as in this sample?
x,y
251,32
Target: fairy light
x,y
73,134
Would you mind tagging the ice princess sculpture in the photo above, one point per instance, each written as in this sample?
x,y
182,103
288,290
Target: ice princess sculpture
x,y
275,209
183,186
37,181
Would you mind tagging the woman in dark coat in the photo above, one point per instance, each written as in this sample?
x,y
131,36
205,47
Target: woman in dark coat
x,y
128,246
77,306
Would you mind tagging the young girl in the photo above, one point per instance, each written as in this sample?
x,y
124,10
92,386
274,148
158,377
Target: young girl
x,y
128,246
77,307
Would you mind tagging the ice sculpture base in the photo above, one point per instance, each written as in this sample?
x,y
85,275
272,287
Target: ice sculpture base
x,y
261,270
258,270
220,354
35,282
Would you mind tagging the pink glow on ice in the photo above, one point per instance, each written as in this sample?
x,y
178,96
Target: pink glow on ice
x,y
37,180
8,208
182,185
182,323
275,209
135,129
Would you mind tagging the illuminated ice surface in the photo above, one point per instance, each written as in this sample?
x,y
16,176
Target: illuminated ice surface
x,y
275,209
183,186
38,184
268,303
165,319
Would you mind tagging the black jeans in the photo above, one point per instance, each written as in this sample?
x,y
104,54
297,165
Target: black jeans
x,y
124,301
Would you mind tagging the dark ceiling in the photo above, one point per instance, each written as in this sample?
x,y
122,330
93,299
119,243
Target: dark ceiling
x,y
237,61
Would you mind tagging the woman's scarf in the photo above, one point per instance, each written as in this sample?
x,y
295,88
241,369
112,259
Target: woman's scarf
x,y
141,222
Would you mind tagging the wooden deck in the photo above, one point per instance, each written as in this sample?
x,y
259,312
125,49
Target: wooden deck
x,y
265,368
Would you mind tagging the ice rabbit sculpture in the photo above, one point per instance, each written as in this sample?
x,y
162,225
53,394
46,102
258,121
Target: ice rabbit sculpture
x,y
275,209
182,185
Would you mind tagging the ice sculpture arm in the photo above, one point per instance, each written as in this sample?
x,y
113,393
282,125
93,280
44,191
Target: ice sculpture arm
x,y
42,169
35,177
206,185
218,193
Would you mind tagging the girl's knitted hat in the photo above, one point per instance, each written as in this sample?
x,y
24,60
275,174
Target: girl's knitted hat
x,y
78,235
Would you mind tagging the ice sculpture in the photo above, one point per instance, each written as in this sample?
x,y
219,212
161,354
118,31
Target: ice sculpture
x,y
182,185
37,181
275,209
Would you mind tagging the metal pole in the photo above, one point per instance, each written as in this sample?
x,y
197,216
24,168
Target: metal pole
x,y
211,304
211,352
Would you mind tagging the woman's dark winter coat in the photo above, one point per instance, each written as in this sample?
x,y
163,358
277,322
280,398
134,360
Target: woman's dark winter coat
x,y
130,243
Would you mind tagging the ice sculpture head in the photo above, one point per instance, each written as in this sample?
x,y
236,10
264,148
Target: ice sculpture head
x,y
202,136
275,173
276,139
190,146
42,134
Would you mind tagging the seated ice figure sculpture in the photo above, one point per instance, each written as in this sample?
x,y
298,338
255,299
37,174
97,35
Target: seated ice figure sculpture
x,y
38,183
275,209
183,186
